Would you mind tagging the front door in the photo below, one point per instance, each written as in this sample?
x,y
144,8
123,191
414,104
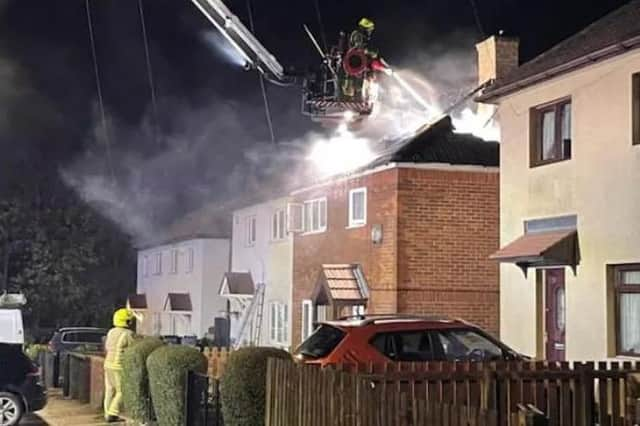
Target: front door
x,y
555,319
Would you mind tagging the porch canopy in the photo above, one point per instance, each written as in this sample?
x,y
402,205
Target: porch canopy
x,y
542,249
137,302
178,302
237,285
341,285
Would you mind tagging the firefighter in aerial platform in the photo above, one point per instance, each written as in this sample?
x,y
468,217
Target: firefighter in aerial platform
x,y
118,339
360,63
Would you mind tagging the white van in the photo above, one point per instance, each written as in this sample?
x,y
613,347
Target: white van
x,y
11,329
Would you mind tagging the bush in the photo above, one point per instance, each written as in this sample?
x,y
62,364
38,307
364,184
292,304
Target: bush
x,y
168,367
135,383
33,350
243,385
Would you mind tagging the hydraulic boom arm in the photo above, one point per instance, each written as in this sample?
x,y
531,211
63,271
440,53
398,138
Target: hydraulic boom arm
x,y
254,53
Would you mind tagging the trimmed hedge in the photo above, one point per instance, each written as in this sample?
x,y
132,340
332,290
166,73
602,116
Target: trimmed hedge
x,y
135,383
168,367
243,385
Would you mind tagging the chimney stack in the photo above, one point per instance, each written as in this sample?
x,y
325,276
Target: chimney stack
x,y
497,57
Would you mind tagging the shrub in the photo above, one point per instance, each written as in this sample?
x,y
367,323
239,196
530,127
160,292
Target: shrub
x,y
135,383
168,367
243,385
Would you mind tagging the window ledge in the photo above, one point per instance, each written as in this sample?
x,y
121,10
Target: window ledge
x,y
321,231
547,162
356,225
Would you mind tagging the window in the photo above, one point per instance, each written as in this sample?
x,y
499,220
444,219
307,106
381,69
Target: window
x,y
250,230
157,264
467,345
635,105
357,310
551,133
278,225
627,285
145,266
174,261
405,345
307,318
315,215
190,260
357,207
321,343
279,322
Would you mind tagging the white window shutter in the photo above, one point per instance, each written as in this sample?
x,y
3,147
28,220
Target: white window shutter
x,y
295,217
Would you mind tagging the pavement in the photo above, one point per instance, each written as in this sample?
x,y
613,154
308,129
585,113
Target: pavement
x,y
65,412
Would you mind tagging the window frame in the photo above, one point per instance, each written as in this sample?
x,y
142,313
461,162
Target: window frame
x,y
278,323
173,267
536,115
620,289
250,231
145,265
157,264
635,108
357,223
320,229
278,226
308,330
190,260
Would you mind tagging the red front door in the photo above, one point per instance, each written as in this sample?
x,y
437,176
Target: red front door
x,y
555,318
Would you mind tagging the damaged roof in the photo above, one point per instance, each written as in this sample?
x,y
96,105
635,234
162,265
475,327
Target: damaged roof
x,y
611,35
438,143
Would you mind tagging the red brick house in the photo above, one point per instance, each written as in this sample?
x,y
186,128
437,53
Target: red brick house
x,y
409,233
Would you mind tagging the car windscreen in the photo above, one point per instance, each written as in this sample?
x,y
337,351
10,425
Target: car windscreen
x,y
321,342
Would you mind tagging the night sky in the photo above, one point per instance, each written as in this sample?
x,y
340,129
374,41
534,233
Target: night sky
x,y
210,112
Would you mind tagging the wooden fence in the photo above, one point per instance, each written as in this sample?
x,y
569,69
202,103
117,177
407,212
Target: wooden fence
x,y
450,394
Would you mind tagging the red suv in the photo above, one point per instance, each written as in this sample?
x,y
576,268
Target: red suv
x,y
384,338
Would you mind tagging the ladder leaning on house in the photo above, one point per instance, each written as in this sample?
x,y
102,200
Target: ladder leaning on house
x,y
252,318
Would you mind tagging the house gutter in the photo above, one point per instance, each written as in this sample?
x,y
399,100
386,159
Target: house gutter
x,y
588,59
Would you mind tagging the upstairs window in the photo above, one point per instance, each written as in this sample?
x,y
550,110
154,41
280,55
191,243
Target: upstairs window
x,y
357,207
551,133
278,225
145,266
315,215
174,261
157,264
189,266
250,230
635,105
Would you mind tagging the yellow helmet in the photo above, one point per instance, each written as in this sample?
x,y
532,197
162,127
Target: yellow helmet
x,y
366,24
122,317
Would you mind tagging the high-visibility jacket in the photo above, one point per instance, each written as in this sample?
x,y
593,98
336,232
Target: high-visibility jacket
x,y
118,339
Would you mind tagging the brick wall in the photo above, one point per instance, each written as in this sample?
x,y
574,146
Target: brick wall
x,y
448,225
439,227
342,245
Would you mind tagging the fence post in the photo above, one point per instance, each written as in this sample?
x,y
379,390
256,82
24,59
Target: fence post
x,y
187,399
633,397
588,388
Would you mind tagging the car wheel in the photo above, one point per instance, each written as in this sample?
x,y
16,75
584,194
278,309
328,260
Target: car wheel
x,y
11,409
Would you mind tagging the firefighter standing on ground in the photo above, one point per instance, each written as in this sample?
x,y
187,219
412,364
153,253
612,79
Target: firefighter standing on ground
x,y
118,339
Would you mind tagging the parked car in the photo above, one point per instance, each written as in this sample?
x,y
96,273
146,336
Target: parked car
x,y
21,388
380,339
71,338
